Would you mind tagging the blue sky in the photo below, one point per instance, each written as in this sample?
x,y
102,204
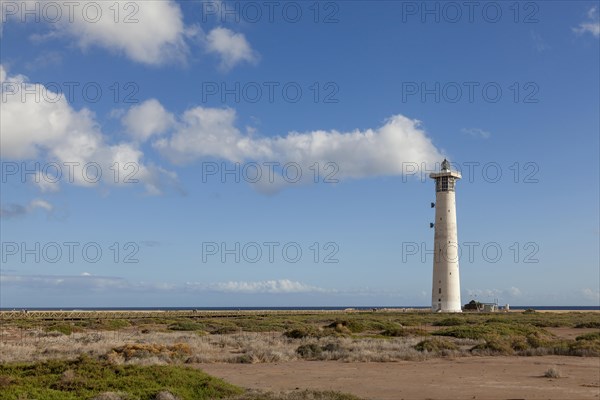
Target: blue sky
x,y
362,97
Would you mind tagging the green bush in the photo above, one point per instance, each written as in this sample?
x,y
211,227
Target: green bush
x,y
497,345
353,326
466,332
224,329
62,328
589,336
300,333
589,324
519,344
186,326
537,340
452,321
85,378
404,332
585,348
118,324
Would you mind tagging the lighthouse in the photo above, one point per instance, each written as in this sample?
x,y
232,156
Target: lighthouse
x,y
445,292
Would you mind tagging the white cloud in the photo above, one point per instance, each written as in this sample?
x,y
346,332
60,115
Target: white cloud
x,y
148,32
233,48
514,291
52,130
476,133
87,281
46,183
538,42
155,34
17,210
43,204
204,132
486,295
146,120
65,282
483,293
591,294
270,286
210,132
592,25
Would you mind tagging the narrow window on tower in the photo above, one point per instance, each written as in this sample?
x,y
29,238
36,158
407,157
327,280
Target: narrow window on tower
x,y
440,291
444,183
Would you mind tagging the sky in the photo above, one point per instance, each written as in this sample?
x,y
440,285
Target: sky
x,y
227,154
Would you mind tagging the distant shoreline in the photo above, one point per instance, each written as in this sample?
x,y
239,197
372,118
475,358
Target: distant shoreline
x,y
295,309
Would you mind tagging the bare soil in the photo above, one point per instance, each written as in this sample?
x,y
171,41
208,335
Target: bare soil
x,y
570,333
461,378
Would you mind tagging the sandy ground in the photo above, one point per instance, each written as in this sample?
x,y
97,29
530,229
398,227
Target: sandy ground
x,y
462,378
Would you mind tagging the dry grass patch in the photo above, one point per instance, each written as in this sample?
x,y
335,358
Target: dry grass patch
x,y
131,351
553,373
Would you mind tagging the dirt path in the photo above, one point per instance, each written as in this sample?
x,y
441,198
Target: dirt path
x,y
462,378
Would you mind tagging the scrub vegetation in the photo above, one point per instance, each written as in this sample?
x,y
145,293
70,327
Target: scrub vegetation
x,y
159,358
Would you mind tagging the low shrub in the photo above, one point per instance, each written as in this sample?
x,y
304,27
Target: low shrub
x,y
495,345
224,329
145,350
69,381
404,332
452,321
537,340
332,347
589,336
584,348
435,345
186,326
309,351
62,328
590,324
104,381
349,326
466,332
117,324
552,373
300,333
6,381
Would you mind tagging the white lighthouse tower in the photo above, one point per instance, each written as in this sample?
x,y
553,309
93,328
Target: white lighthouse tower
x,y
445,291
